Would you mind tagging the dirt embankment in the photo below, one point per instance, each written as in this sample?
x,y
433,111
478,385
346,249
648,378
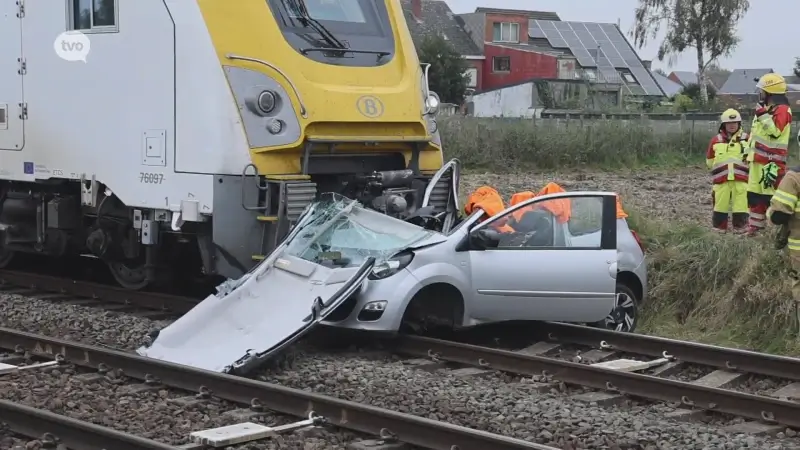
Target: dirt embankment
x,y
683,195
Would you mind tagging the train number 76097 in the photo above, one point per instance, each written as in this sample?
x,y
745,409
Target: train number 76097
x,y
151,178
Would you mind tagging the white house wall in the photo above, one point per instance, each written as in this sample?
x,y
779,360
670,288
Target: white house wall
x,y
514,101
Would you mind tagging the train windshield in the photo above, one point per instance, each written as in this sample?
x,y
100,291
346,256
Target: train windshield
x,y
336,10
354,33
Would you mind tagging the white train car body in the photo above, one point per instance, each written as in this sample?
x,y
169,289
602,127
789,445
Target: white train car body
x,y
149,113
132,141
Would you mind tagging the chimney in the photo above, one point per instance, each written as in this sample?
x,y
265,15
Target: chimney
x,y
416,9
647,63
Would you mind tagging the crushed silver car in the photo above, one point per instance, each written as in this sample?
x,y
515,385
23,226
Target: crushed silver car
x,y
349,266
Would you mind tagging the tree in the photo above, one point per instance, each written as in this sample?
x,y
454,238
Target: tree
x,y
796,67
661,72
706,26
717,75
693,91
447,75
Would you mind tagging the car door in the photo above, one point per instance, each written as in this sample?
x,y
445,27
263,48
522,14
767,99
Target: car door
x,y
552,257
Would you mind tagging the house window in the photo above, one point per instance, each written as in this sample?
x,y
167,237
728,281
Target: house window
x,y
506,32
628,77
472,77
501,64
93,16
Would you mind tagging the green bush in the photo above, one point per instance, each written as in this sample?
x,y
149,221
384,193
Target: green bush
x,y
503,144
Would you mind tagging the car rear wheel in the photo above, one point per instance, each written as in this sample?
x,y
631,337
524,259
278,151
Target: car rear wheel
x,y
625,315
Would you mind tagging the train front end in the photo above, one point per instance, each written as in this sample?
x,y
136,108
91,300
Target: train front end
x,y
332,98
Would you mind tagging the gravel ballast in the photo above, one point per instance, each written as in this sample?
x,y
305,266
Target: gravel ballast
x,y
497,403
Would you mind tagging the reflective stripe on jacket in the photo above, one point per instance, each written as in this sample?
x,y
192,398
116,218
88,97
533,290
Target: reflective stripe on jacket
x,y
769,137
725,158
785,200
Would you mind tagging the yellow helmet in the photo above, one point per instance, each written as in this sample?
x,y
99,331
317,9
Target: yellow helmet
x,y
730,115
772,83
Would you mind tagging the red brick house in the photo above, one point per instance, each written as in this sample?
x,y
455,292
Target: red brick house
x,y
523,46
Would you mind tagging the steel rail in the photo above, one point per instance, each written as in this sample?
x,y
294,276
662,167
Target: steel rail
x,y
692,352
75,434
107,294
341,413
645,386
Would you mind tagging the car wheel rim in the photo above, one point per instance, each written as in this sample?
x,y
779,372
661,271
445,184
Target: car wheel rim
x,y
623,316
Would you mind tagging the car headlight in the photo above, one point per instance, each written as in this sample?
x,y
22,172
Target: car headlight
x,y
391,266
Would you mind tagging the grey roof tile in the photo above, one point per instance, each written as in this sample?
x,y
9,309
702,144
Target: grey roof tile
x,y
742,81
538,15
437,18
669,87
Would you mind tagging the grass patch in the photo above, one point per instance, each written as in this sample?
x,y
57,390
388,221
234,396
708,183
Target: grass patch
x,y
720,289
500,144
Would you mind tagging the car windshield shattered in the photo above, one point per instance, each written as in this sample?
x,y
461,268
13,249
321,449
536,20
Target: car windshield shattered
x,y
339,232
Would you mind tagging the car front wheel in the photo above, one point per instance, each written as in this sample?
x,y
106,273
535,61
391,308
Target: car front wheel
x,y
625,315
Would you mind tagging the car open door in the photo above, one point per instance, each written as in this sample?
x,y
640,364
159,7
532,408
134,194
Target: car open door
x,y
552,257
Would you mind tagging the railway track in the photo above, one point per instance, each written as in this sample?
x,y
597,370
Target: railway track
x,y
695,378
692,378
150,305
115,366
53,429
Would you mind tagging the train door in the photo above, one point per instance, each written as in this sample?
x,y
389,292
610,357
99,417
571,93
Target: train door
x,y
12,68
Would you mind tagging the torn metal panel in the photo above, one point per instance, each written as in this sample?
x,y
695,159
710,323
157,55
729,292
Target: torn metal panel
x,y
325,259
274,307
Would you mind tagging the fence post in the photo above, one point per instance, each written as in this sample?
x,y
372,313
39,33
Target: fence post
x,y
641,130
691,138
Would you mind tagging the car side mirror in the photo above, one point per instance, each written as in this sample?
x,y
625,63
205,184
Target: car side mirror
x,y
484,239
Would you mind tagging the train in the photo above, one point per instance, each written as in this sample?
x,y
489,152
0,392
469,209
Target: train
x,y
183,138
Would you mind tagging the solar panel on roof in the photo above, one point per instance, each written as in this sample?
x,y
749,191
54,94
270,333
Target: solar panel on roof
x,y
571,38
597,45
536,33
563,26
554,36
546,25
646,80
584,58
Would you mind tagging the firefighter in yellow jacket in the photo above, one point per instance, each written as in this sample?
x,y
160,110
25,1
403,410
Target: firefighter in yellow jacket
x,y
768,146
729,173
784,211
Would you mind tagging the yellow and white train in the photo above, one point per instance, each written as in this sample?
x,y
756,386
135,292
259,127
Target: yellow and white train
x,y
169,131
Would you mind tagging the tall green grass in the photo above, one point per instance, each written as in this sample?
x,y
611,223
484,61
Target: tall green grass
x,y
721,289
501,144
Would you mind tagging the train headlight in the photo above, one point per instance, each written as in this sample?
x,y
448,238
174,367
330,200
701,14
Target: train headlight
x,y
274,126
432,103
434,127
266,101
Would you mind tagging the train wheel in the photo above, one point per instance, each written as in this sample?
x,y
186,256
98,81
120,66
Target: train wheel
x,y
6,256
129,275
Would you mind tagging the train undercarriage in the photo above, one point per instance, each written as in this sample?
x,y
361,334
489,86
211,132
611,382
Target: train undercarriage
x,y
48,218
52,218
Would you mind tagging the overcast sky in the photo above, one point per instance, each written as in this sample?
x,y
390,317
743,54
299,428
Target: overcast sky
x,y
760,31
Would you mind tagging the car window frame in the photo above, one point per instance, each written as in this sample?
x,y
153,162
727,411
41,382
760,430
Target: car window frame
x,y
608,231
